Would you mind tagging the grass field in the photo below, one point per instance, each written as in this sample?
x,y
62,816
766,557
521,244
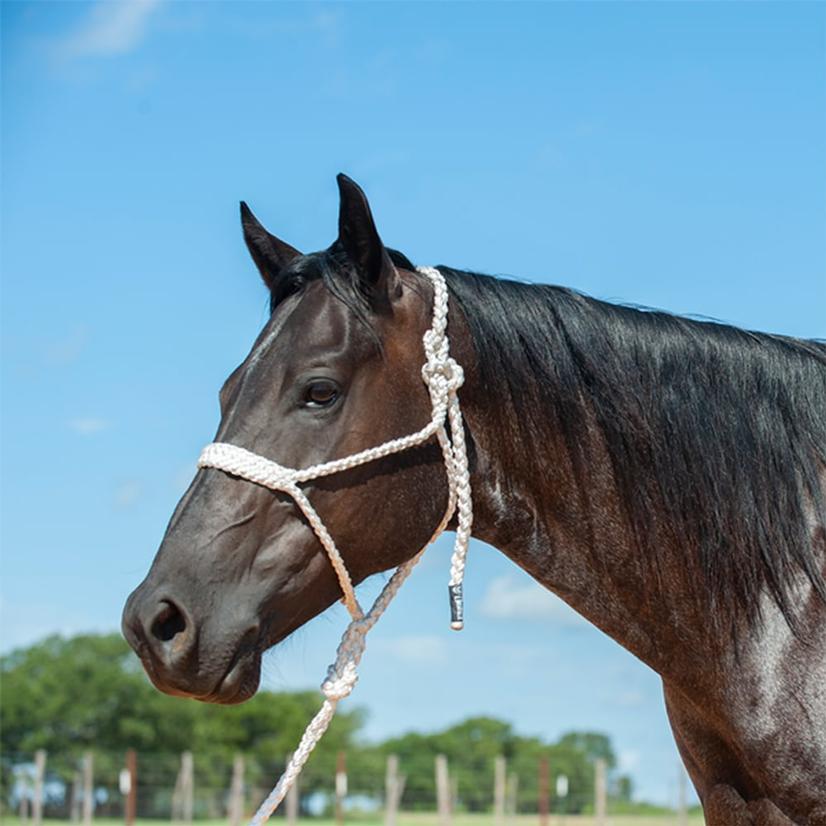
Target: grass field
x,y
426,819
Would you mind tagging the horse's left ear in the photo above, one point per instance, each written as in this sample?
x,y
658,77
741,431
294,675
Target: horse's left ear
x,y
359,238
270,254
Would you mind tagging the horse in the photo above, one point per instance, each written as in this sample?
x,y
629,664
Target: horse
x,y
664,476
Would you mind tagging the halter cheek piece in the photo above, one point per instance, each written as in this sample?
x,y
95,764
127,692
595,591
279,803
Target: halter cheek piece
x,y
443,377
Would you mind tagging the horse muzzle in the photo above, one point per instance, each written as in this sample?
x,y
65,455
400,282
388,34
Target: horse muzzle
x,y
216,659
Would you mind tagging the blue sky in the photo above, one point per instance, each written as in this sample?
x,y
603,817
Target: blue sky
x,y
672,155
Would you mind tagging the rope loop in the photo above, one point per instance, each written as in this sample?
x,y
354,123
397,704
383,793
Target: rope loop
x,y
443,377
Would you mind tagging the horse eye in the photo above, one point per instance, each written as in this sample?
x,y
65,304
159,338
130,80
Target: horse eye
x,y
321,393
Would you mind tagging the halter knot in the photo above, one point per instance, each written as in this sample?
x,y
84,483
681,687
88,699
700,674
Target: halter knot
x,y
445,373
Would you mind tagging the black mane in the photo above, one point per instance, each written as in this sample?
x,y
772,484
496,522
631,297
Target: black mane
x,y
714,433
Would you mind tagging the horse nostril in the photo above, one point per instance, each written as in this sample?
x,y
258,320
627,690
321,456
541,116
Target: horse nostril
x,y
169,622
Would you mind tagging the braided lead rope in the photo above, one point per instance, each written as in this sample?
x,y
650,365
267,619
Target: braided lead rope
x,y
443,377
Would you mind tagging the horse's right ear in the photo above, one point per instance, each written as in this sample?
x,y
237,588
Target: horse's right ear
x,y
270,254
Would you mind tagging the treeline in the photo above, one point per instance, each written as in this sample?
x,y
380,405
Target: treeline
x,y
89,692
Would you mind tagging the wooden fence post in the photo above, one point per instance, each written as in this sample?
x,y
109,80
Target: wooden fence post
x,y
562,792
187,787
544,792
341,786
236,791
400,791
393,787
442,790
499,772
600,791
292,799
39,774
88,791
131,808
512,796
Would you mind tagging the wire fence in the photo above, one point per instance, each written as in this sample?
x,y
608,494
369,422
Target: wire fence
x,y
186,787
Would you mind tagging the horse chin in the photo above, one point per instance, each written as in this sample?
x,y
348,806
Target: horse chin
x,y
240,682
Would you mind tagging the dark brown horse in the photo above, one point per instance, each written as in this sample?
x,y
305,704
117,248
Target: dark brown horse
x,y
666,477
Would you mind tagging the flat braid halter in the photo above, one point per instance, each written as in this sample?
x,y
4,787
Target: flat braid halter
x,y
443,377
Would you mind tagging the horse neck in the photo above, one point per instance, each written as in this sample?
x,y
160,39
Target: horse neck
x,y
577,543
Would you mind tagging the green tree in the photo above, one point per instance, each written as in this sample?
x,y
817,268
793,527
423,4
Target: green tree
x,y
472,747
90,692
592,744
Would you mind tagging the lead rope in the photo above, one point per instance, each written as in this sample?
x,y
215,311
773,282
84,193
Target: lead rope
x,y
443,377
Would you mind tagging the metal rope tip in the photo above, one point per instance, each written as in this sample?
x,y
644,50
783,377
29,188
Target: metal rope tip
x,y
457,607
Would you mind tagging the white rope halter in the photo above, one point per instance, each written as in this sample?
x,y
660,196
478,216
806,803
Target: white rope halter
x,y
443,377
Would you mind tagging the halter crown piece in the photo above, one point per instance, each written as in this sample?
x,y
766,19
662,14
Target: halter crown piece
x,y
443,377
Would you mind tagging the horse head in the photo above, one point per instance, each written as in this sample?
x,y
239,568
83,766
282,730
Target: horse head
x,y
336,369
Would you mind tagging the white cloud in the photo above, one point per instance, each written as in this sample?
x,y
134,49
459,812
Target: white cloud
x,y
88,425
112,27
508,599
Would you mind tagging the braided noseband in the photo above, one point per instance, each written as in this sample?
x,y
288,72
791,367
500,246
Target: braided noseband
x,y
443,377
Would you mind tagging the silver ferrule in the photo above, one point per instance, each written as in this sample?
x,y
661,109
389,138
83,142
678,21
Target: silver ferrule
x,y
457,607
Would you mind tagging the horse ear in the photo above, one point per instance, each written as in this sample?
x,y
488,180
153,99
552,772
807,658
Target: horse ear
x,y
270,254
358,236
